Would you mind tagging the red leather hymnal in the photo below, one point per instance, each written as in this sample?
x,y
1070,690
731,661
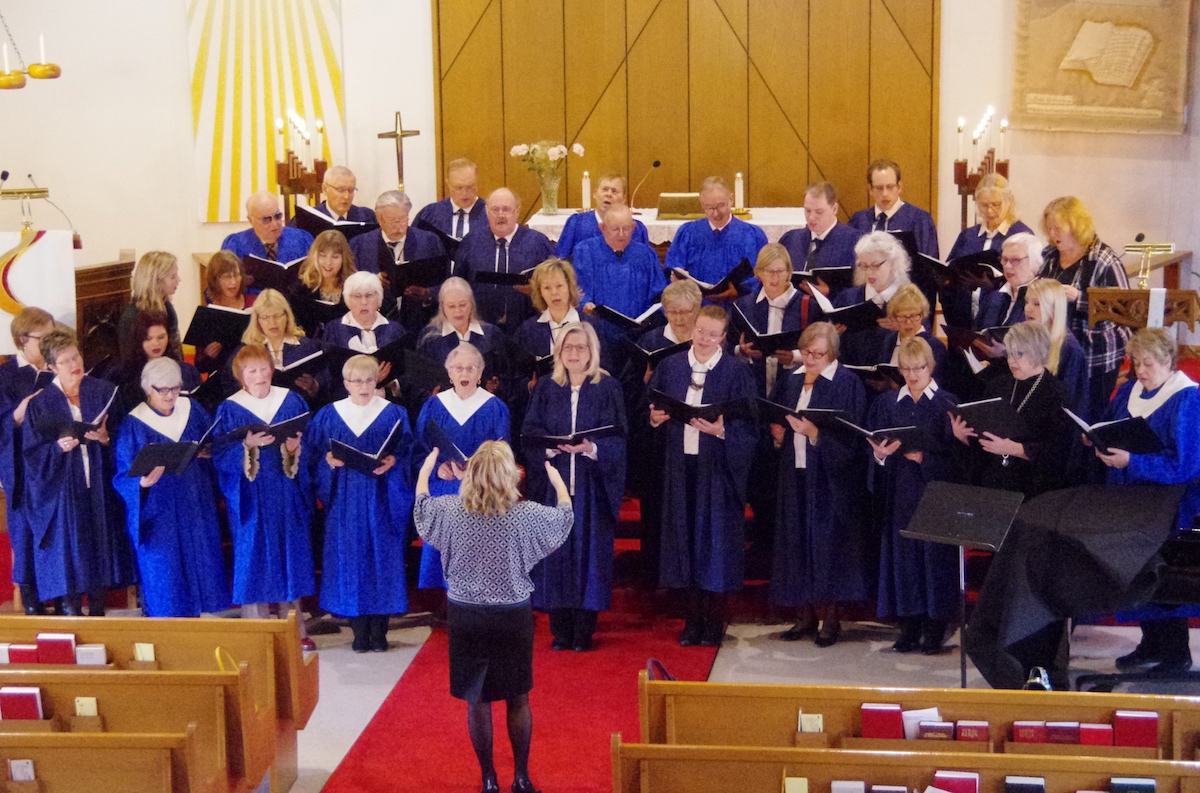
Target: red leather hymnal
x,y
881,720
20,702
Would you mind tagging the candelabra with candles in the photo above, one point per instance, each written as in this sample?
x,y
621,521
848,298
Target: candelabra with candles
x,y
15,78
969,173
295,175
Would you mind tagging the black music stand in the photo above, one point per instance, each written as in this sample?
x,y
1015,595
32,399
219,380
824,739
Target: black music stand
x,y
969,517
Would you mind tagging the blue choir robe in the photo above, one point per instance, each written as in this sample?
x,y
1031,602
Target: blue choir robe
x,y
822,550
266,501
958,304
172,524
707,552
371,253
579,574
861,347
18,379
295,348
935,344
1176,420
292,244
583,226
628,282
538,333
441,215
996,308
436,343
755,308
73,515
709,255
836,248
362,565
1073,372
349,334
481,417
501,305
916,578
906,218
130,393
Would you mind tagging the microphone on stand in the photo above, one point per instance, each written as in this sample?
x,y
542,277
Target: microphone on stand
x,y
653,165
76,240
1139,238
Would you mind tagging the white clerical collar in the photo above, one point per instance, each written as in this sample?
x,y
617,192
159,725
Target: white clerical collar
x,y
348,319
718,228
891,212
463,409
1144,406
263,409
571,316
778,302
883,296
707,365
474,327
171,426
359,417
928,392
1002,230
669,335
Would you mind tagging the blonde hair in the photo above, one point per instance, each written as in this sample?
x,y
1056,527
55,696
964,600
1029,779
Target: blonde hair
x,y
908,298
1069,211
489,486
453,284
544,271
1150,342
363,365
593,371
914,349
269,299
28,320
768,253
997,185
151,269
331,240
682,292
1052,303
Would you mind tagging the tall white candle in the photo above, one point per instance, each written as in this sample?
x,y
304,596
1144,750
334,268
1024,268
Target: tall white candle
x,y
586,191
6,57
42,47
962,122
1003,139
975,151
739,192
320,132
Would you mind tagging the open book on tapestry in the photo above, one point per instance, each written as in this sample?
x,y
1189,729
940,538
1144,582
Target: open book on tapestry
x,y
1112,54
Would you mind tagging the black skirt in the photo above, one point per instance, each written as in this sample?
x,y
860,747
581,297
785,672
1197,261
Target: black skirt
x,y
491,650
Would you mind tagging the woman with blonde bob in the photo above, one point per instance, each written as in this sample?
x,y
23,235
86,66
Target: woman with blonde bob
x,y
317,296
909,310
489,541
575,582
273,327
154,281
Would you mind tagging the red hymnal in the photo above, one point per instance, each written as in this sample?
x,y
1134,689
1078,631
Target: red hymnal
x,y
956,781
22,654
1062,732
968,730
1029,731
881,720
1130,727
56,648
1096,734
20,702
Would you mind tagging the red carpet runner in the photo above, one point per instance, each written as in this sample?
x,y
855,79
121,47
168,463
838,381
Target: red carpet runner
x,y
417,741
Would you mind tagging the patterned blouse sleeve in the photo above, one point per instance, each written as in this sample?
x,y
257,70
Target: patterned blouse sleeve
x,y
542,529
432,522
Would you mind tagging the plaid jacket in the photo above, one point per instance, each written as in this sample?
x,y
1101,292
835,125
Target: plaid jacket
x,y
1104,345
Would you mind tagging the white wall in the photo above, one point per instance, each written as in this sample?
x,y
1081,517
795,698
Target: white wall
x,y
112,137
1131,183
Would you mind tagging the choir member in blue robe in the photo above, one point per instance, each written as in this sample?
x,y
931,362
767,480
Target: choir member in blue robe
x,y
469,415
1021,261
918,580
706,467
73,515
555,295
502,246
363,328
822,553
395,244
362,568
1036,464
615,270
1169,401
909,309
823,242
171,518
155,279
267,237
339,187
21,376
610,192
265,495
462,209
881,267
151,328
273,327
708,248
575,582
890,213
457,322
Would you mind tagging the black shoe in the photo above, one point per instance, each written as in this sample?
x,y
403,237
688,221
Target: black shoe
x,y
829,633
1141,656
490,786
933,633
379,645
359,647
558,643
713,634
799,631
690,634
29,600
523,786
1039,680
1172,666
910,636
582,646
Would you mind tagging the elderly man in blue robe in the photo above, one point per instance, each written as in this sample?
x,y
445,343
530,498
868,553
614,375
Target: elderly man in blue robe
x,y
339,188
462,209
823,243
890,213
502,246
267,237
709,247
396,244
612,190
617,271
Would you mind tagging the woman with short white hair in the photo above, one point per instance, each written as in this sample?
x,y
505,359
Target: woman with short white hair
x,y
171,518
363,328
881,267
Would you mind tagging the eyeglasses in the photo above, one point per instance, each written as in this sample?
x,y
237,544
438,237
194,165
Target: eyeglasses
x,y
175,389
776,271
574,348
909,317
680,312
329,188
32,337
1008,260
913,369
369,382
815,354
271,317
267,219
1010,353
464,368
870,268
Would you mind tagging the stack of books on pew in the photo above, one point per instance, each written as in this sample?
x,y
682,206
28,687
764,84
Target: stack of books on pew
x,y
54,648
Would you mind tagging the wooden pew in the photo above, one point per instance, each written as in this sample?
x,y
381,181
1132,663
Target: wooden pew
x,y
231,755
283,682
108,762
658,768
751,714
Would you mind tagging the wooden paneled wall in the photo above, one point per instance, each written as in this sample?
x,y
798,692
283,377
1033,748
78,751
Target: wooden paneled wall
x,y
783,91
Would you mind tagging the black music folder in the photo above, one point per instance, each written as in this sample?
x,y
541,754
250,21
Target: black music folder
x,y
911,437
448,242
285,377
996,416
963,338
392,352
217,323
975,270
684,412
280,430
765,343
426,273
740,272
775,413
503,279
448,451
653,358
1133,435
649,319
575,438
174,457
266,274
361,461
883,372
315,222
62,427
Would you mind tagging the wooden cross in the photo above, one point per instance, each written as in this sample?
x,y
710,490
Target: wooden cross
x,y
399,134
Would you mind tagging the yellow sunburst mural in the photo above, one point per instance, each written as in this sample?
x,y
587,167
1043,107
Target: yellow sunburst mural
x,y
254,63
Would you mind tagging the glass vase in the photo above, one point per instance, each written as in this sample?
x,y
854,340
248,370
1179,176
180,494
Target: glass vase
x,y
549,186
